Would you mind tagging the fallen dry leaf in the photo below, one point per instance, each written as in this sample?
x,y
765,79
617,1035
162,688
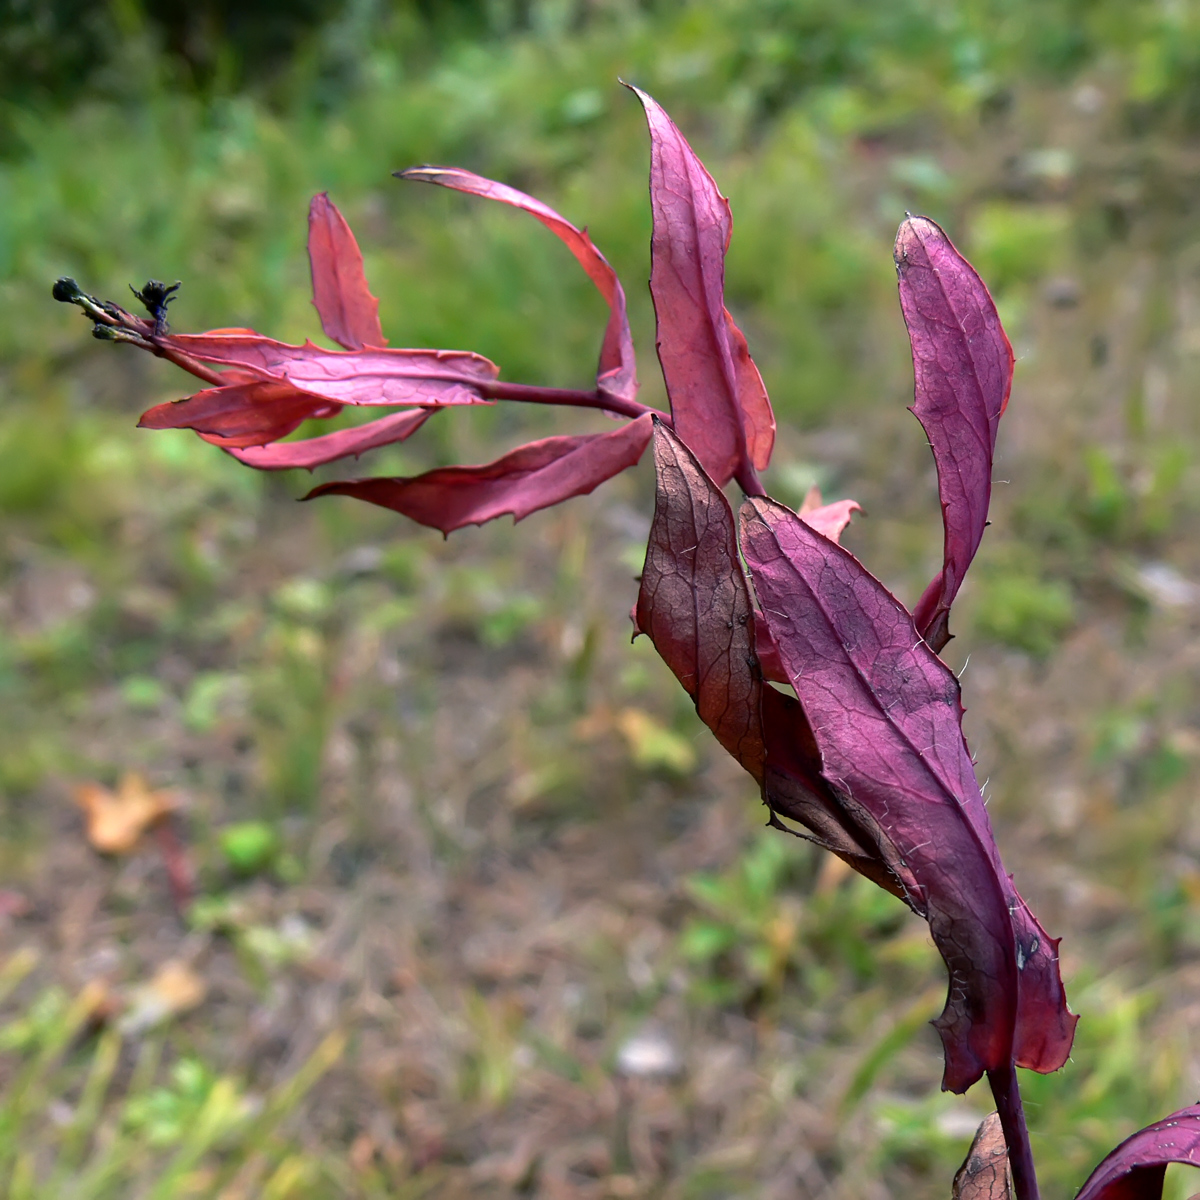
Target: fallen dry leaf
x,y
985,1175
116,820
175,989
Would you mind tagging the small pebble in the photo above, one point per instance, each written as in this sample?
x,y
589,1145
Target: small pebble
x,y
647,1055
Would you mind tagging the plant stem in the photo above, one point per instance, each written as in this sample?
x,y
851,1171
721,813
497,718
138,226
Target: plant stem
x,y
143,335
188,363
571,397
748,480
1007,1094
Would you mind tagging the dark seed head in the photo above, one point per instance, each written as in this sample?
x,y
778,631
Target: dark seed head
x,y
156,295
66,290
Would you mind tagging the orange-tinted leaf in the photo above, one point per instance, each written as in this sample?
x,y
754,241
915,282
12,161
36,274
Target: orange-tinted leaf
x,y
174,989
116,820
757,416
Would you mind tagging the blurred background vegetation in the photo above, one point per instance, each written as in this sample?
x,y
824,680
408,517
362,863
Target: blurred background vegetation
x,y
480,910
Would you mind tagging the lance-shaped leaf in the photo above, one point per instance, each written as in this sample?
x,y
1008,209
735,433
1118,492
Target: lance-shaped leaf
x,y
349,313
794,787
533,476
1045,1026
617,372
963,366
886,717
371,376
694,602
829,520
1136,1168
242,414
309,453
718,402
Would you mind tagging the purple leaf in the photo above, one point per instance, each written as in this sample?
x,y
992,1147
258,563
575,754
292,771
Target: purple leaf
x,y
533,476
963,367
1136,1168
349,313
1045,1026
829,520
370,376
694,602
617,372
313,452
794,787
886,718
718,402
242,414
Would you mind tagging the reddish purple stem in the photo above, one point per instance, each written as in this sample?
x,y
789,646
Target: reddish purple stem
x,y
1007,1094
747,478
571,397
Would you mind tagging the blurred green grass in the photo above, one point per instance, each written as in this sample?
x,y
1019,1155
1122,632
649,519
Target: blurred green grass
x,y
167,609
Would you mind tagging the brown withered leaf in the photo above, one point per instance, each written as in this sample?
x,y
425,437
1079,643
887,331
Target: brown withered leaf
x,y
984,1174
116,820
174,989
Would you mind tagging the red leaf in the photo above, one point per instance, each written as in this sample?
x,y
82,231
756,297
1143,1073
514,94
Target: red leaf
x,y
963,366
617,372
718,402
754,405
1136,1168
349,313
533,476
242,414
371,376
886,717
312,452
694,602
